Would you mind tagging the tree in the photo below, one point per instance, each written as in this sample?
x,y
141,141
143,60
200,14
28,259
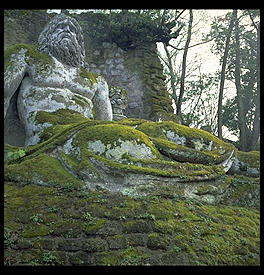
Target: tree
x,y
199,100
129,28
242,68
179,102
241,113
256,123
181,72
222,79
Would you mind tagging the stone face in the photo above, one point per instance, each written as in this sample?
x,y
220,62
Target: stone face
x,y
62,38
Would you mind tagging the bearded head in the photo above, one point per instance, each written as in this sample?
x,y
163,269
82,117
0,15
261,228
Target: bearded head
x,y
62,38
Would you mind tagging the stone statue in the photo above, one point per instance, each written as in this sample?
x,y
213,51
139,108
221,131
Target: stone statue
x,y
66,112
50,78
118,99
63,39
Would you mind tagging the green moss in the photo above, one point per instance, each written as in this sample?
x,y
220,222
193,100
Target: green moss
x,y
158,130
61,117
131,121
93,227
35,231
184,154
158,241
161,209
242,191
251,159
132,256
157,230
111,133
42,169
137,226
32,53
164,227
126,209
66,227
89,75
110,258
157,133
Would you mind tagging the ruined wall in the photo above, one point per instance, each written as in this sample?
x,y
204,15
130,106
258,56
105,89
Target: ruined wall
x,y
137,70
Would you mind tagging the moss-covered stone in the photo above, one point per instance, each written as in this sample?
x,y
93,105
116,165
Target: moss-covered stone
x,y
252,159
158,241
89,75
42,170
159,230
32,54
58,210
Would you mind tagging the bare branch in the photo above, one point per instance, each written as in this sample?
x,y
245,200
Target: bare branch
x,y
200,43
254,24
179,14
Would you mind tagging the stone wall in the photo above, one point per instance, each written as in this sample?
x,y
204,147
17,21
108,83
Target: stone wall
x,y
64,226
137,70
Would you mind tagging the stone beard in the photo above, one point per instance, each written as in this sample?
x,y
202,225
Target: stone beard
x,y
63,39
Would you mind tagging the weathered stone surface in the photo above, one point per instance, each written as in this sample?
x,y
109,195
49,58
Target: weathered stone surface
x,y
62,38
132,157
172,231
118,99
50,80
137,70
246,164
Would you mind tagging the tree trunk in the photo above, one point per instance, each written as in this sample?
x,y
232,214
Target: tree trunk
x,y
256,123
172,74
222,80
179,103
241,113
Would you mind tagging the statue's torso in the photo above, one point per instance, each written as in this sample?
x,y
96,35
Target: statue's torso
x,y
55,86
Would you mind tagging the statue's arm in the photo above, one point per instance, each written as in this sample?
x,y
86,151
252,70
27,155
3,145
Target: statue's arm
x,y
101,102
13,76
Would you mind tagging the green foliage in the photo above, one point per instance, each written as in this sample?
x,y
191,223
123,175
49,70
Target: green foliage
x,y
16,154
129,28
200,95
248,63
36,219
49,258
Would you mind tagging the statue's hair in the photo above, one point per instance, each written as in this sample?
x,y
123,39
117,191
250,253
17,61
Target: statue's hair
x,y
48,40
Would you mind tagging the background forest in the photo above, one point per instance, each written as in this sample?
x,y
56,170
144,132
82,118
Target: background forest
x,y
211,63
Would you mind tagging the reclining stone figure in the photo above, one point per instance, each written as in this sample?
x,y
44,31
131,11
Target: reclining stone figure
x,y
67,117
